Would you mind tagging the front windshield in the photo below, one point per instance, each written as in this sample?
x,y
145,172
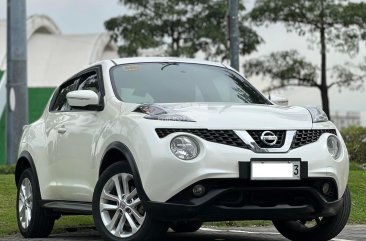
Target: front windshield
x,y
181,82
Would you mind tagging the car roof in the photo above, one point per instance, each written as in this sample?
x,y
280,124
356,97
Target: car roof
x,y
165,60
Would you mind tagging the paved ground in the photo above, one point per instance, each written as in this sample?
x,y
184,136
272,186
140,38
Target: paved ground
x,y
351,233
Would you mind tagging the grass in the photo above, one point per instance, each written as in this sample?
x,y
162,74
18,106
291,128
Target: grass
x,y
8,223
357,184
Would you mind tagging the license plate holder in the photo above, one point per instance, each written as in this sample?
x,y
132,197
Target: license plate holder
x,y
275,169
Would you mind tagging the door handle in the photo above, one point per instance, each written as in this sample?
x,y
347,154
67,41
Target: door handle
x,y
61,130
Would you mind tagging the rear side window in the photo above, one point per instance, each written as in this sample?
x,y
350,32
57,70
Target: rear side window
x,y
60,103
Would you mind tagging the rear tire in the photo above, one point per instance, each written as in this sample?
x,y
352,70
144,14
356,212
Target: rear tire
x,y
33,220
324,229
117,209
186,227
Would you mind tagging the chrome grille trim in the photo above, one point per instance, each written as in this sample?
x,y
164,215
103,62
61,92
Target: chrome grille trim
x,y
248,140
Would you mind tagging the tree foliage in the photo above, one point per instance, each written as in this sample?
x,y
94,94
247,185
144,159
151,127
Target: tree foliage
x,y
355,138
179,28
289,68
339,24
344,22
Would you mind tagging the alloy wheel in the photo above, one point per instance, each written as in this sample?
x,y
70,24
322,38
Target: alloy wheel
x,y
25,203
120,207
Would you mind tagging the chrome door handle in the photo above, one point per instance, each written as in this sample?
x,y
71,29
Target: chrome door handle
x,y
61,130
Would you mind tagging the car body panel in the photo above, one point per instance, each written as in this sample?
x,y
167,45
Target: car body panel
x,y
68,164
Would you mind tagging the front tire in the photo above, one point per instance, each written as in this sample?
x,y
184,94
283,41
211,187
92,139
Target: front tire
x,y
117,209
322,229
33,220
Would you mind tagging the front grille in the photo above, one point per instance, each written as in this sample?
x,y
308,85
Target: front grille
x,y
229,137
256,135
226,137
304,137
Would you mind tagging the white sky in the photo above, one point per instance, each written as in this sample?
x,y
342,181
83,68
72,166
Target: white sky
x,y
88,16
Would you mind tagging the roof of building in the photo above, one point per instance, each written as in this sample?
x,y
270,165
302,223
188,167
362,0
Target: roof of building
x,y
52,56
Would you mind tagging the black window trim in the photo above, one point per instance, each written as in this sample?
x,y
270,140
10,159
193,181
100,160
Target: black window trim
x,y
74,78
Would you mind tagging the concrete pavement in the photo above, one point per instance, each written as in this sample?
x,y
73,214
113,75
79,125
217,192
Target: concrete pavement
x,y
350,233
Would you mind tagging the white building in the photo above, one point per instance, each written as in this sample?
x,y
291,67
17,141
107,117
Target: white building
x,y
53,57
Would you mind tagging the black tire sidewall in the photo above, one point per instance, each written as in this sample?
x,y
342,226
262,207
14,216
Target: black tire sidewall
x,y
28,232
150,229
329,228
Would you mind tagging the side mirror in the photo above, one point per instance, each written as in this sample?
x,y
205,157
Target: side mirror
x,y
83,99
279,100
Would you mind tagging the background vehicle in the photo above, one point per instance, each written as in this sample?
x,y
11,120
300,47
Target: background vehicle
x,y
148,143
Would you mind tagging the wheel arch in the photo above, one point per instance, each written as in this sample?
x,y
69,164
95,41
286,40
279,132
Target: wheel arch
x,y
24,162
119,152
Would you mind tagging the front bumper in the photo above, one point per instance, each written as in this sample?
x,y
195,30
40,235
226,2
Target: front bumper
x,y
163,175
235,199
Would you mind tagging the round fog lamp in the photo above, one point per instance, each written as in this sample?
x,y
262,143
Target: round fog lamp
x,y
184,147
198,190
334,146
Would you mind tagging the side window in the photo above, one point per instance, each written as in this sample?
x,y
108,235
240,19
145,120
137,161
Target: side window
x,y
60,103
90,82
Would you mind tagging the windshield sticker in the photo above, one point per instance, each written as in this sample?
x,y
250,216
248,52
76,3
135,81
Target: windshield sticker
x,y
131,68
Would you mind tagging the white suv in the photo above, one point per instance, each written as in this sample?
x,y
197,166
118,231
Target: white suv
x,y
144,144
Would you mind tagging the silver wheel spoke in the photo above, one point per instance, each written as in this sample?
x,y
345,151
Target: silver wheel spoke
x,y
107,207
27,216
21,197
113,221
125,179
21,208
137,216
121,224
22,188
132,194
135,202
28,189
109,196
131,222
118,186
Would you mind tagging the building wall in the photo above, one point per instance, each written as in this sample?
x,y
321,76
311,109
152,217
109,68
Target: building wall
x,y
344,120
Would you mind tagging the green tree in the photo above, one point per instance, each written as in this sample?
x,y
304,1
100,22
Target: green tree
x,y
179,28
339,24
355,138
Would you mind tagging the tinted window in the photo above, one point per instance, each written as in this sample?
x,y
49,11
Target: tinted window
x,y
61,101
90,82
181,82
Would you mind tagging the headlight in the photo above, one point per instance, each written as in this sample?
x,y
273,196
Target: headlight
x,y
156,112
317,114
184,147
334,147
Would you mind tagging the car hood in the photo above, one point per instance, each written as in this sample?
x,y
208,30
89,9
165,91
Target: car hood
x,y
241,116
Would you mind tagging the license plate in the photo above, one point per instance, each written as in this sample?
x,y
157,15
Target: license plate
x,y
278,170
